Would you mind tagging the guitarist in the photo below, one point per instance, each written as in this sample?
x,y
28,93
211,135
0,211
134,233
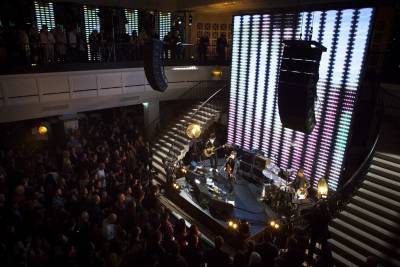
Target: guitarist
x,y
210,146
230,170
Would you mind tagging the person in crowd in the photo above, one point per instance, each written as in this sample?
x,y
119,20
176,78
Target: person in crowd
x,y
216,257
72,38
240,257
34,43
82,47
142,38
221,45
94,43
193,252
267,250
134,46
319,220
23,47
167,45
47,42
293,256
204,41
61,44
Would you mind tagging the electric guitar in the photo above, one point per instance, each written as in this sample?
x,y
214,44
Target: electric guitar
x,y
210,151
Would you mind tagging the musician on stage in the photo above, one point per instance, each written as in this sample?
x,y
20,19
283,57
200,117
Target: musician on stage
x,y
230,170
210,147
300,182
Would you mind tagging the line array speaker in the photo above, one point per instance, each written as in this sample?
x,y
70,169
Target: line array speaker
x,y
298,78
154,65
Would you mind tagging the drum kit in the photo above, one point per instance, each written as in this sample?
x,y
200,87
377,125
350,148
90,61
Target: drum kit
x,y
278,193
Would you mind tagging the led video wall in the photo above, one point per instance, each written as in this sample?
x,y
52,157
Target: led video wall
x,y
254,121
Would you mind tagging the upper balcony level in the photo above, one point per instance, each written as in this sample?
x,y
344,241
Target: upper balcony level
x,y
36,95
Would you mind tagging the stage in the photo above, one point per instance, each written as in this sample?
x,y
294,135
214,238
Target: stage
x,y
261,193
245,200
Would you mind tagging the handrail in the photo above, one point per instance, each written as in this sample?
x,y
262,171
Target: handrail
x,y
197,110
208,99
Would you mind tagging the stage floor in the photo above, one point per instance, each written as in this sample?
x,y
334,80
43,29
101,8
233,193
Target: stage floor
x,y
245,196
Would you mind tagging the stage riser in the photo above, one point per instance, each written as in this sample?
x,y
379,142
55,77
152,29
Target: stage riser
x,y
229,236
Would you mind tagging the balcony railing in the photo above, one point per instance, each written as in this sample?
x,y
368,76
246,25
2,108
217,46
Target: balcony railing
x,y
60,57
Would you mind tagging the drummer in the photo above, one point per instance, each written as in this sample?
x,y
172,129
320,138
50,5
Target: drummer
x,y
300,182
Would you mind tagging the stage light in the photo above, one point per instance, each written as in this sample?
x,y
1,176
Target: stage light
x,y
42,130
276,226
322,188
233,225
272,223
193,131
216,73
176,186
184,170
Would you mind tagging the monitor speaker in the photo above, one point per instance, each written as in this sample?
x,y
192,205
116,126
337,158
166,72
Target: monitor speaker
x,y
298,78
220,209
154,65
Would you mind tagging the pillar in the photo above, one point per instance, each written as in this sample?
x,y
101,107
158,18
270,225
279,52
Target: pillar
x,y
151,117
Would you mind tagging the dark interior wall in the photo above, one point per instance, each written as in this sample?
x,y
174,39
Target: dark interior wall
x,y
16,12
69,15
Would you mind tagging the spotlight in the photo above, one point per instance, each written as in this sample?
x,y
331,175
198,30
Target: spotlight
x,y
322,188
233,225
176,186
272,223
184,170
276,226
193,131
42,130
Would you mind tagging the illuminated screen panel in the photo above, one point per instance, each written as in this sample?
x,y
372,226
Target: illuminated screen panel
x,y
163,23
44,15
132,18
92,22
254,121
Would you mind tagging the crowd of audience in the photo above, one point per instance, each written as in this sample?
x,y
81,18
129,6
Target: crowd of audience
x,y
23,47
20,46
92,202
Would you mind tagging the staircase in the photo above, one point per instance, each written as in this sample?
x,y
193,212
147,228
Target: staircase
x,y
370,223
173,142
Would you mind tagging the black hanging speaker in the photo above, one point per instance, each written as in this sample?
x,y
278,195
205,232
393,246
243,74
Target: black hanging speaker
x,y
154,65
298,78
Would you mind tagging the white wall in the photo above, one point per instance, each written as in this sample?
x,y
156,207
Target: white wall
x,y
27,96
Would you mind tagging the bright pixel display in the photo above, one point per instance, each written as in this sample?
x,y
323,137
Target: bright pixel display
x,y
254,121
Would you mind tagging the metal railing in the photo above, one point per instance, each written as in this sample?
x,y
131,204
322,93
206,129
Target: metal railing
x,y
37,57
207,92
